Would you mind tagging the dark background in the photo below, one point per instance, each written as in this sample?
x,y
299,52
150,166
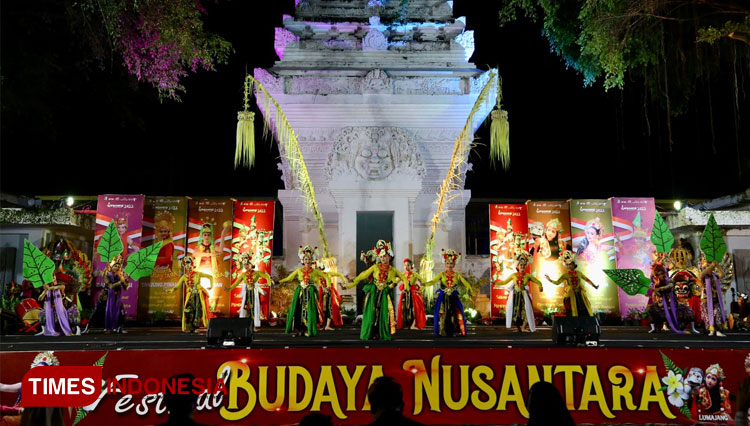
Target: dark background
x,y
70,126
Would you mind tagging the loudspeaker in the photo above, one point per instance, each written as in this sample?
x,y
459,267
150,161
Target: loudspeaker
x,y
575,330
230,331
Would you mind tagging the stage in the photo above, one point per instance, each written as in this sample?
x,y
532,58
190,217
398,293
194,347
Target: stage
x,y
348,337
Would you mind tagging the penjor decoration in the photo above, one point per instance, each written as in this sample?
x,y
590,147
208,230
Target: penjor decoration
x,y
244,154
500,131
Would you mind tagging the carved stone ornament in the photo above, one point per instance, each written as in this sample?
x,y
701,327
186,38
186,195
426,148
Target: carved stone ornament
x,y
377,81
374,154
281,39
374,40
271,83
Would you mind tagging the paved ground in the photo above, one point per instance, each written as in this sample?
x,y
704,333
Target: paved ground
x,y
274,337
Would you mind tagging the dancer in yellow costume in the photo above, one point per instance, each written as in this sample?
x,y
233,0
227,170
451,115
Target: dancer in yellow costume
x,y
303,316
195,312
449,316
251,292
518,308
575,300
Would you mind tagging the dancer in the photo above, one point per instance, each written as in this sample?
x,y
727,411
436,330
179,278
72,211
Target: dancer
x,y
303,316
53,294
378,319
330,300
712,298
449,312
575,301
411,312
518,308
250,290
195,309
663,304
117,282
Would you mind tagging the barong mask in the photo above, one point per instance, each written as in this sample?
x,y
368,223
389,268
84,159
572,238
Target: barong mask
x,y
45,359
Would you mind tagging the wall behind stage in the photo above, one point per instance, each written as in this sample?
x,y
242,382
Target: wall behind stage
x,y
127,212
549,235
165,220
509,229
593,244
252,232
213,253
633,219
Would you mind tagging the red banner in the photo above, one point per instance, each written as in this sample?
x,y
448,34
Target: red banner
x,y
252,232
441,386
509,232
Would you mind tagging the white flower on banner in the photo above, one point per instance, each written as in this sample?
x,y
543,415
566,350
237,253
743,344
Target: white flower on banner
x,y
673,382
677,398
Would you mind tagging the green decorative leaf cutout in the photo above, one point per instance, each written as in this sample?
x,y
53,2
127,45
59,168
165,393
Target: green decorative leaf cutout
x,y
661,236
80,412
631,281
100,363
712,242
110,245
141,263
37,268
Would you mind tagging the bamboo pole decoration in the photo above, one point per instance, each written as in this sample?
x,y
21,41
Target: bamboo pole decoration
x,y
244,150
500,131
275,120
453,180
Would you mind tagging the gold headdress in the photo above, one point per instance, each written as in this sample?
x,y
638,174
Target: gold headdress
x,y
383,246
307,250
188,259
568,257
45,359
164,218
595,223
554,224
681,257
716,370
450,254
121,219
523,257
117,260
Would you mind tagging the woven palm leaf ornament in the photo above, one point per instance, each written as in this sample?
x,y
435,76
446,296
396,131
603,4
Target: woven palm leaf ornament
x,y
453,181
500,131
275,120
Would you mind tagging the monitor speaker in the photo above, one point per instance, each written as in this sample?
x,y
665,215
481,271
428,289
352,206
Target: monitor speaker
x,y
575,330
230,331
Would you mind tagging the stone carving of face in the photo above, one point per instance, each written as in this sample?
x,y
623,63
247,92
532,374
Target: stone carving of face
x,y
373,160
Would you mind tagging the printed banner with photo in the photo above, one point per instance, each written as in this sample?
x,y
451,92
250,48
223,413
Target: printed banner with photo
x,y
446,386
127,212
209,241
633,219
165,221
549,235
594,246
509,232
253,233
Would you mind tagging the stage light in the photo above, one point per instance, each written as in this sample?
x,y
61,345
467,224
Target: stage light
x,y
244,360
677,205
414,371
641,371
69,201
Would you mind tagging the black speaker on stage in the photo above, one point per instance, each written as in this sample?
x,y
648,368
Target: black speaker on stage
x,y
230,331
575,330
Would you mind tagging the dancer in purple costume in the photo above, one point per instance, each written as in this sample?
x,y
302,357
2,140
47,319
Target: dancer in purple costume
x,y
117,282
53,294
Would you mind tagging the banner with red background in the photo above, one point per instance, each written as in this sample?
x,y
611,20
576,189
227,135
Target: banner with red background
x,y
509,232
440,386
212,251
252,232
127,212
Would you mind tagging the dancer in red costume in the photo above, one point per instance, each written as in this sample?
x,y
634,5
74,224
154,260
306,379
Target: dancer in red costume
x,y
411,312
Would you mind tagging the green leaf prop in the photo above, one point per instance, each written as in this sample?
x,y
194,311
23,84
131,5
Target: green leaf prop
x,y
110,245
712,243
37,268
661,236
631,281
141,263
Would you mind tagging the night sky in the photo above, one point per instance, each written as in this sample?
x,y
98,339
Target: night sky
x,y
70,126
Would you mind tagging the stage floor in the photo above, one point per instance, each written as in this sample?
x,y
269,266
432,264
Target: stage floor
x,y
274,337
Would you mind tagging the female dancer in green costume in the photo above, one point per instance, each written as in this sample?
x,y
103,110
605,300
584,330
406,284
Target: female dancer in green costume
x,y
378,319
303,313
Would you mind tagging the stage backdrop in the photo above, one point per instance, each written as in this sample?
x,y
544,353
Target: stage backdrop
x,y
253,233
633,219
440,385
509,231
127,212
213,253
165,220
549,235
593,243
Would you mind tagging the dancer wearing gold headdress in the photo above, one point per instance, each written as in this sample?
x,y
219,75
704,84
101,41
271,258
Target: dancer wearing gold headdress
x,y
195,309
518,310
575,300
378,318
411,312
250,305
449,312
303,316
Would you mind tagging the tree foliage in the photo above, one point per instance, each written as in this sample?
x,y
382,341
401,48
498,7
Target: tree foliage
x,y
669,44
160,41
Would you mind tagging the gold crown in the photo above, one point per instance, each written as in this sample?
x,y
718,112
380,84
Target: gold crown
x,y
716,370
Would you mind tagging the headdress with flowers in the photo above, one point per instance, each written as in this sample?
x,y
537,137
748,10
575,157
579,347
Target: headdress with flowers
x,y
370,255
121,219
383,246
554,224
450,254
568,257
523,257
409,261
716,370
45,359
307,250
595,223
